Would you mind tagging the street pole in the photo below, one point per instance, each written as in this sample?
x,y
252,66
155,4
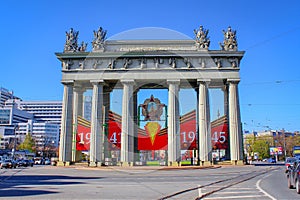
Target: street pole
x,y
284,144
15,145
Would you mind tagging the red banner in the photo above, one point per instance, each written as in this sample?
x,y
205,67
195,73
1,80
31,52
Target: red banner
x,y
114,134
83,138
159,142
188,136
219,133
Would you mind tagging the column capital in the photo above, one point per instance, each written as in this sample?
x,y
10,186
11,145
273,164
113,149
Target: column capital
x,y
203,81
234,80
128,82
68,82
96,82
173,81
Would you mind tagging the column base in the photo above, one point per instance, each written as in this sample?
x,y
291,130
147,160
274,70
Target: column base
x,y
92,164
205,163
237,162
63,163
95,164
174,164
126,164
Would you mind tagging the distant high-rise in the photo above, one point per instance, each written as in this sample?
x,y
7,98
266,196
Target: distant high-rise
x,y
5,95
45,111
41,119
87,108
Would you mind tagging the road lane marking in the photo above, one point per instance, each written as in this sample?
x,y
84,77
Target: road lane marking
x,y
239,192
235,197
260,189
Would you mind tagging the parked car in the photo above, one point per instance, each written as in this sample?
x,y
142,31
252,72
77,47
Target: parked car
x,y
20,162
38,161
293,177
272,160
28,163
47,161
8,163
289,162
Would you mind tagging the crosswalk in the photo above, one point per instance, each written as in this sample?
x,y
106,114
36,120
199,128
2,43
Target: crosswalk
x,y
239,193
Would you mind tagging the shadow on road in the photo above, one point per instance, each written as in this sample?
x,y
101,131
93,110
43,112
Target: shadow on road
x,y
17,186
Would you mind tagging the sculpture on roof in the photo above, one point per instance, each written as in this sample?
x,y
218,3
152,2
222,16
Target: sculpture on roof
x,y
202,40
230,42
71,41
82,47
99,38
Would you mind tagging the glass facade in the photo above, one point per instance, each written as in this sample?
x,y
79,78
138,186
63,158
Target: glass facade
x,y
5,116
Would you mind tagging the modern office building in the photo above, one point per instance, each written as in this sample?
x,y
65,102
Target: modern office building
x,y
44,134
5,94
87,107
41,119
46,111
10,117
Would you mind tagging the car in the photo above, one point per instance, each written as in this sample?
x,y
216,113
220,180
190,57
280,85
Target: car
x,y
293,177
47,161
20,162
272,160
8,163
289,162
28,163
38,161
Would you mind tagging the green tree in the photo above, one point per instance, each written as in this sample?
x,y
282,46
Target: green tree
x,y
28,143
261,146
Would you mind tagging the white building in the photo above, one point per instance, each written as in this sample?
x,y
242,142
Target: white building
x,y
44,134
5,94
41,119
11,115
87,107
46,111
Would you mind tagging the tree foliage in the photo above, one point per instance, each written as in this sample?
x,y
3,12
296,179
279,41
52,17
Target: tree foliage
x,y
28,143
262,144
262,147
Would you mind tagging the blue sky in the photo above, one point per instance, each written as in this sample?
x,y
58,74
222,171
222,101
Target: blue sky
x,y
269,32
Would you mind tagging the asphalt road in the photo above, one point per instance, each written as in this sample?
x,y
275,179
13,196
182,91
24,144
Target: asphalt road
x,y
228,182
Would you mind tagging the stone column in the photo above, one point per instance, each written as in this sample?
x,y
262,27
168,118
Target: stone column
x,y
136,155
106,103
235,132
96,144
204,142
127,135
226,107
65,145
77,111
173,123
225,90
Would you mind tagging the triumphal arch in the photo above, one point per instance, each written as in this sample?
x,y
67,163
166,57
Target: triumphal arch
x,y
131,65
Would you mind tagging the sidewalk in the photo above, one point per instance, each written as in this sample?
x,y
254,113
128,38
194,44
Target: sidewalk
x,y
78,166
